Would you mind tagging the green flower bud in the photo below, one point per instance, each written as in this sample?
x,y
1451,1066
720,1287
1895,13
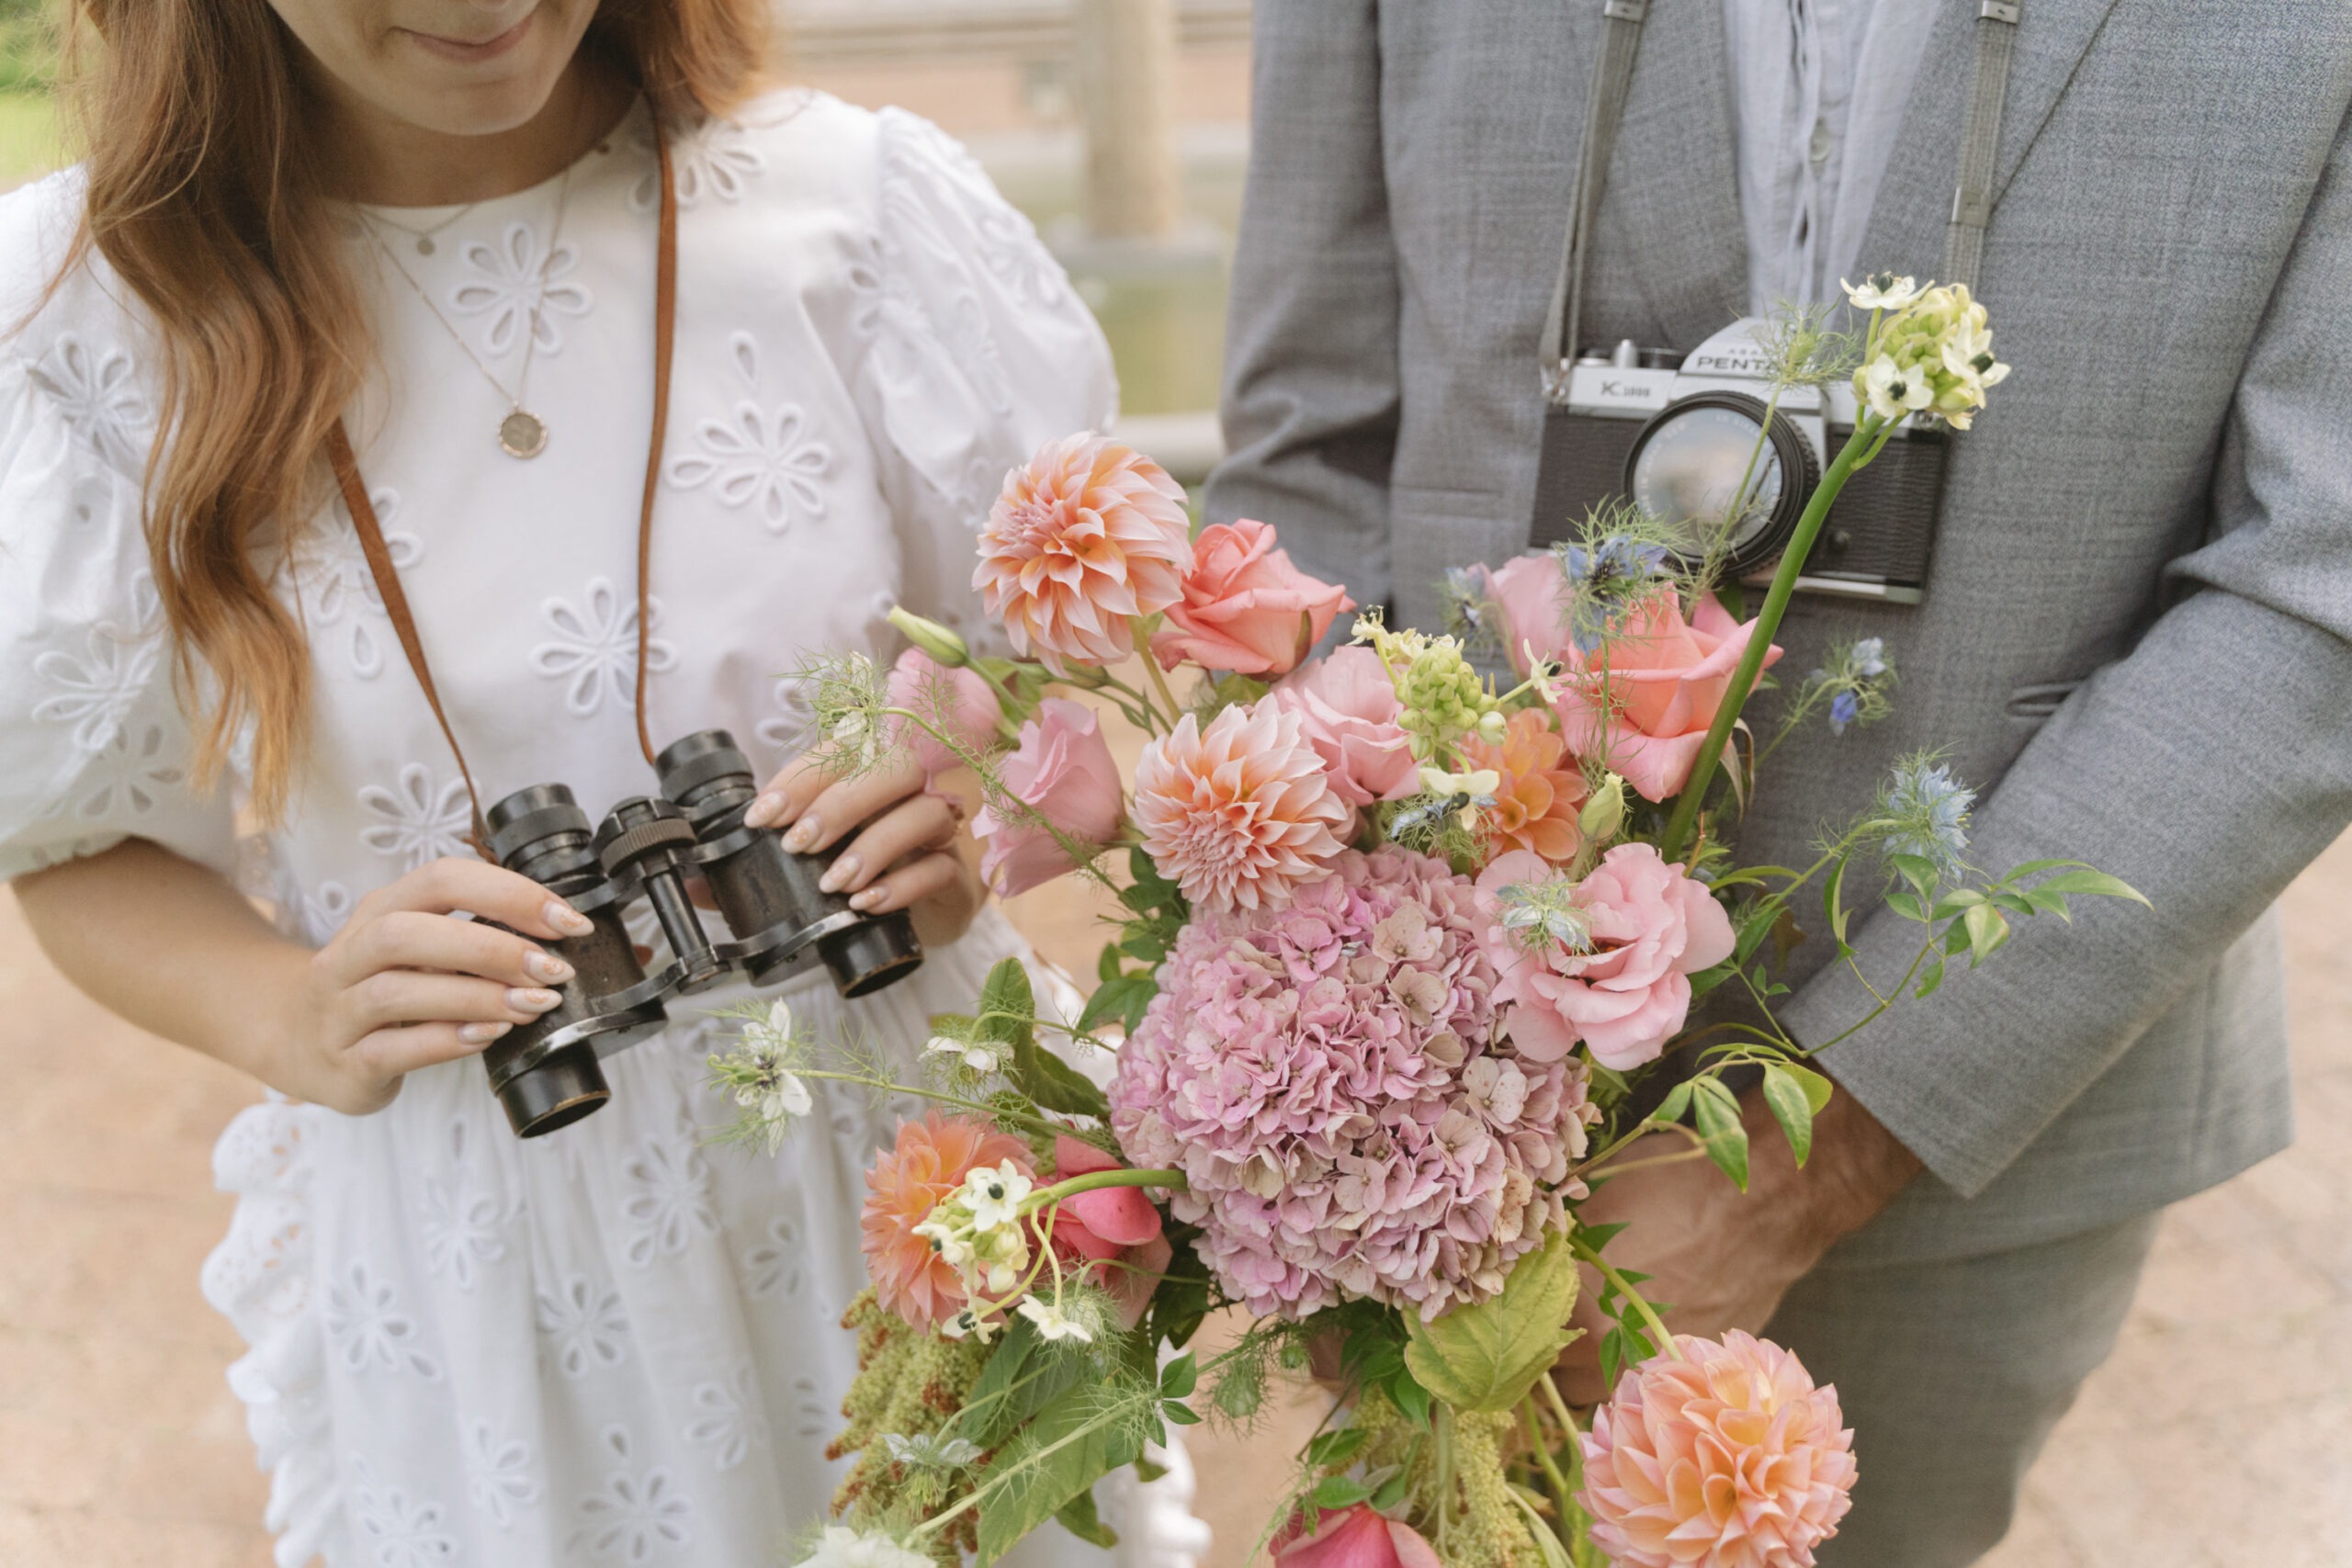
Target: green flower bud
x,y
931,636
1604,814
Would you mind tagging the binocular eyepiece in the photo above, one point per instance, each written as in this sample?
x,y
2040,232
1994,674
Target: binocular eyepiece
x,y
545,1073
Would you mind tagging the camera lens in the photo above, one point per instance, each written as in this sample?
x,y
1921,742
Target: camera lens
x,y
1697,468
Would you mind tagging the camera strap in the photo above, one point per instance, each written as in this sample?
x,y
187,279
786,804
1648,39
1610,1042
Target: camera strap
x,y
345,464
1971,210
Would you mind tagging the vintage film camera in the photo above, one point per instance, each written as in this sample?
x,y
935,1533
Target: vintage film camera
x,y
545,1073
1676,440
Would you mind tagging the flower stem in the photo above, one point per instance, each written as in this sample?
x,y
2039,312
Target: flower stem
x,y
1859,449
1531,1416
1160,684
1094,1180
1655,1324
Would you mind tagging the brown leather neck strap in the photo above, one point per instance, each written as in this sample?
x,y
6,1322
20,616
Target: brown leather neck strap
x,y
364,522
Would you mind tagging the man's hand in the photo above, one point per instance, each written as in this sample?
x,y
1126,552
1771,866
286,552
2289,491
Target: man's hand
x,y
1722,1258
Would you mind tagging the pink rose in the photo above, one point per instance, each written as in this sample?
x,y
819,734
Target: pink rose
x,y
1642,701
958,701
1347,708
1628,992
1063,769
1353,1538
1532,592
1245,607
1115,1227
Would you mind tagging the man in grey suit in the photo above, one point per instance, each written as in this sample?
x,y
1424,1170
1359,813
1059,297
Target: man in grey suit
x,y
2136,638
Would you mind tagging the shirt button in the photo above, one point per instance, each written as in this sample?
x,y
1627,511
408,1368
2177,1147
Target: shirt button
x,y
1819,147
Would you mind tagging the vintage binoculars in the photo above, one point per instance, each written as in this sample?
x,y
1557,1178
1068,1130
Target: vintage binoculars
x,y
545,1073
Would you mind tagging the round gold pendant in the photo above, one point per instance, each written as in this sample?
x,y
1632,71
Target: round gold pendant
x,y
522,434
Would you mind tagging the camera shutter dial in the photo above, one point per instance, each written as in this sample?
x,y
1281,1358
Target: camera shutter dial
x,y
1695,467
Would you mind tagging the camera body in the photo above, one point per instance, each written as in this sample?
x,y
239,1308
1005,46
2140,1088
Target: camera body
x,y
1678,439
652,848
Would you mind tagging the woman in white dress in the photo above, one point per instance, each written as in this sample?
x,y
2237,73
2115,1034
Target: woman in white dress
x,y
436,220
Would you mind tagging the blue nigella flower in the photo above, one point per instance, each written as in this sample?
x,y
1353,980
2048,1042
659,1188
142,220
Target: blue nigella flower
x,y
1842,709
1930,809
1604,580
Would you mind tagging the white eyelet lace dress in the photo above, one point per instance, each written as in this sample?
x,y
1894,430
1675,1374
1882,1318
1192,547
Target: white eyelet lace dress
x,y
614,1344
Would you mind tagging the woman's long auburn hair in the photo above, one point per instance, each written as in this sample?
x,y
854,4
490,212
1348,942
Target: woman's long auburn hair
x,y
207,197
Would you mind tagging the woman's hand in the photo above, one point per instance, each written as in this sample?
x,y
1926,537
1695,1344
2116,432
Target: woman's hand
x,y
903,855
403,985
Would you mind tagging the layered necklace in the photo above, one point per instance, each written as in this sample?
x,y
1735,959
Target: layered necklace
x,y
521,432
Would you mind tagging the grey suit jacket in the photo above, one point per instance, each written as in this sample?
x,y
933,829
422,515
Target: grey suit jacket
x,y
2135,635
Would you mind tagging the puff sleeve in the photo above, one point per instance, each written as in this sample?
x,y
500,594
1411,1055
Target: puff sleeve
x,y
977,352
93,748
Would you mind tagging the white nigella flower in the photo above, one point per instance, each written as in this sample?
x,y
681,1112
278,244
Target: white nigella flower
x,y
1051,1324
995,1196
1883,291
1891,393
840,1547
983,1056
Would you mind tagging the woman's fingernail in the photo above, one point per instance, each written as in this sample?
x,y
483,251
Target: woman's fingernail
x,y
530,999
803,837
840,873
764,811
482,1033
868,897
548,967
566,919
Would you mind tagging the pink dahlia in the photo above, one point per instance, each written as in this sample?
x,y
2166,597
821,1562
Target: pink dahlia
x,y
1239,813
1088,537
1720,1456
1332,1079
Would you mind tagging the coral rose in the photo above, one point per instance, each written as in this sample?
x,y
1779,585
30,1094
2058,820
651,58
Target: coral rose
x,y
1245,607
928,1163
1536,804
1063,769
1353,1538
1088,537
958,701
1113,1232
1717,1456
1642,701
1241,812
1624,992
1347,709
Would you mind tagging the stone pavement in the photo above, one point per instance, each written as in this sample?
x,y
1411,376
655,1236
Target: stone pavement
x,y
2220,1436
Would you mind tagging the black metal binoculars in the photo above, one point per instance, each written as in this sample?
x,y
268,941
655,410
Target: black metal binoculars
x,y
545,1073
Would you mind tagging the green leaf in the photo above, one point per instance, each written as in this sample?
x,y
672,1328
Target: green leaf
x,y
1791,1108
1115,998
1833,892
1143,946
2046,902
1720,1129
2015,903
1015,1384
1179,1377
1106,965
1392,1491
1818,1089
1337,1492
1906,905
1918,871
1078,1518
1181,1300
1064,1448
2031,867
1485,1358
1987,929
1671,1109
2096,882
1954,902
1753,928
1930,978
1333,1451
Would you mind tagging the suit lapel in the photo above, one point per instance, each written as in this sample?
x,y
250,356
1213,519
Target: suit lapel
x,y
1671,244
1907,221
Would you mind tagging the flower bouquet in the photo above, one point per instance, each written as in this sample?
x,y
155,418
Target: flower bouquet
x,y
1403,946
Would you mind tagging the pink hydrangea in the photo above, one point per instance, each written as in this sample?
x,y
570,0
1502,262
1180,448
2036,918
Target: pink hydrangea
x,y
1718,1456
1332,1079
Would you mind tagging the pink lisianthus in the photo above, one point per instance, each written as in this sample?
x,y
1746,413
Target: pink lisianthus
x,y
1087,538
1113,1233
1064,770
1239,812
1627,990
1245,607
1532,592
1717,1456
1353,1538
958,701
1347,709
1641,702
